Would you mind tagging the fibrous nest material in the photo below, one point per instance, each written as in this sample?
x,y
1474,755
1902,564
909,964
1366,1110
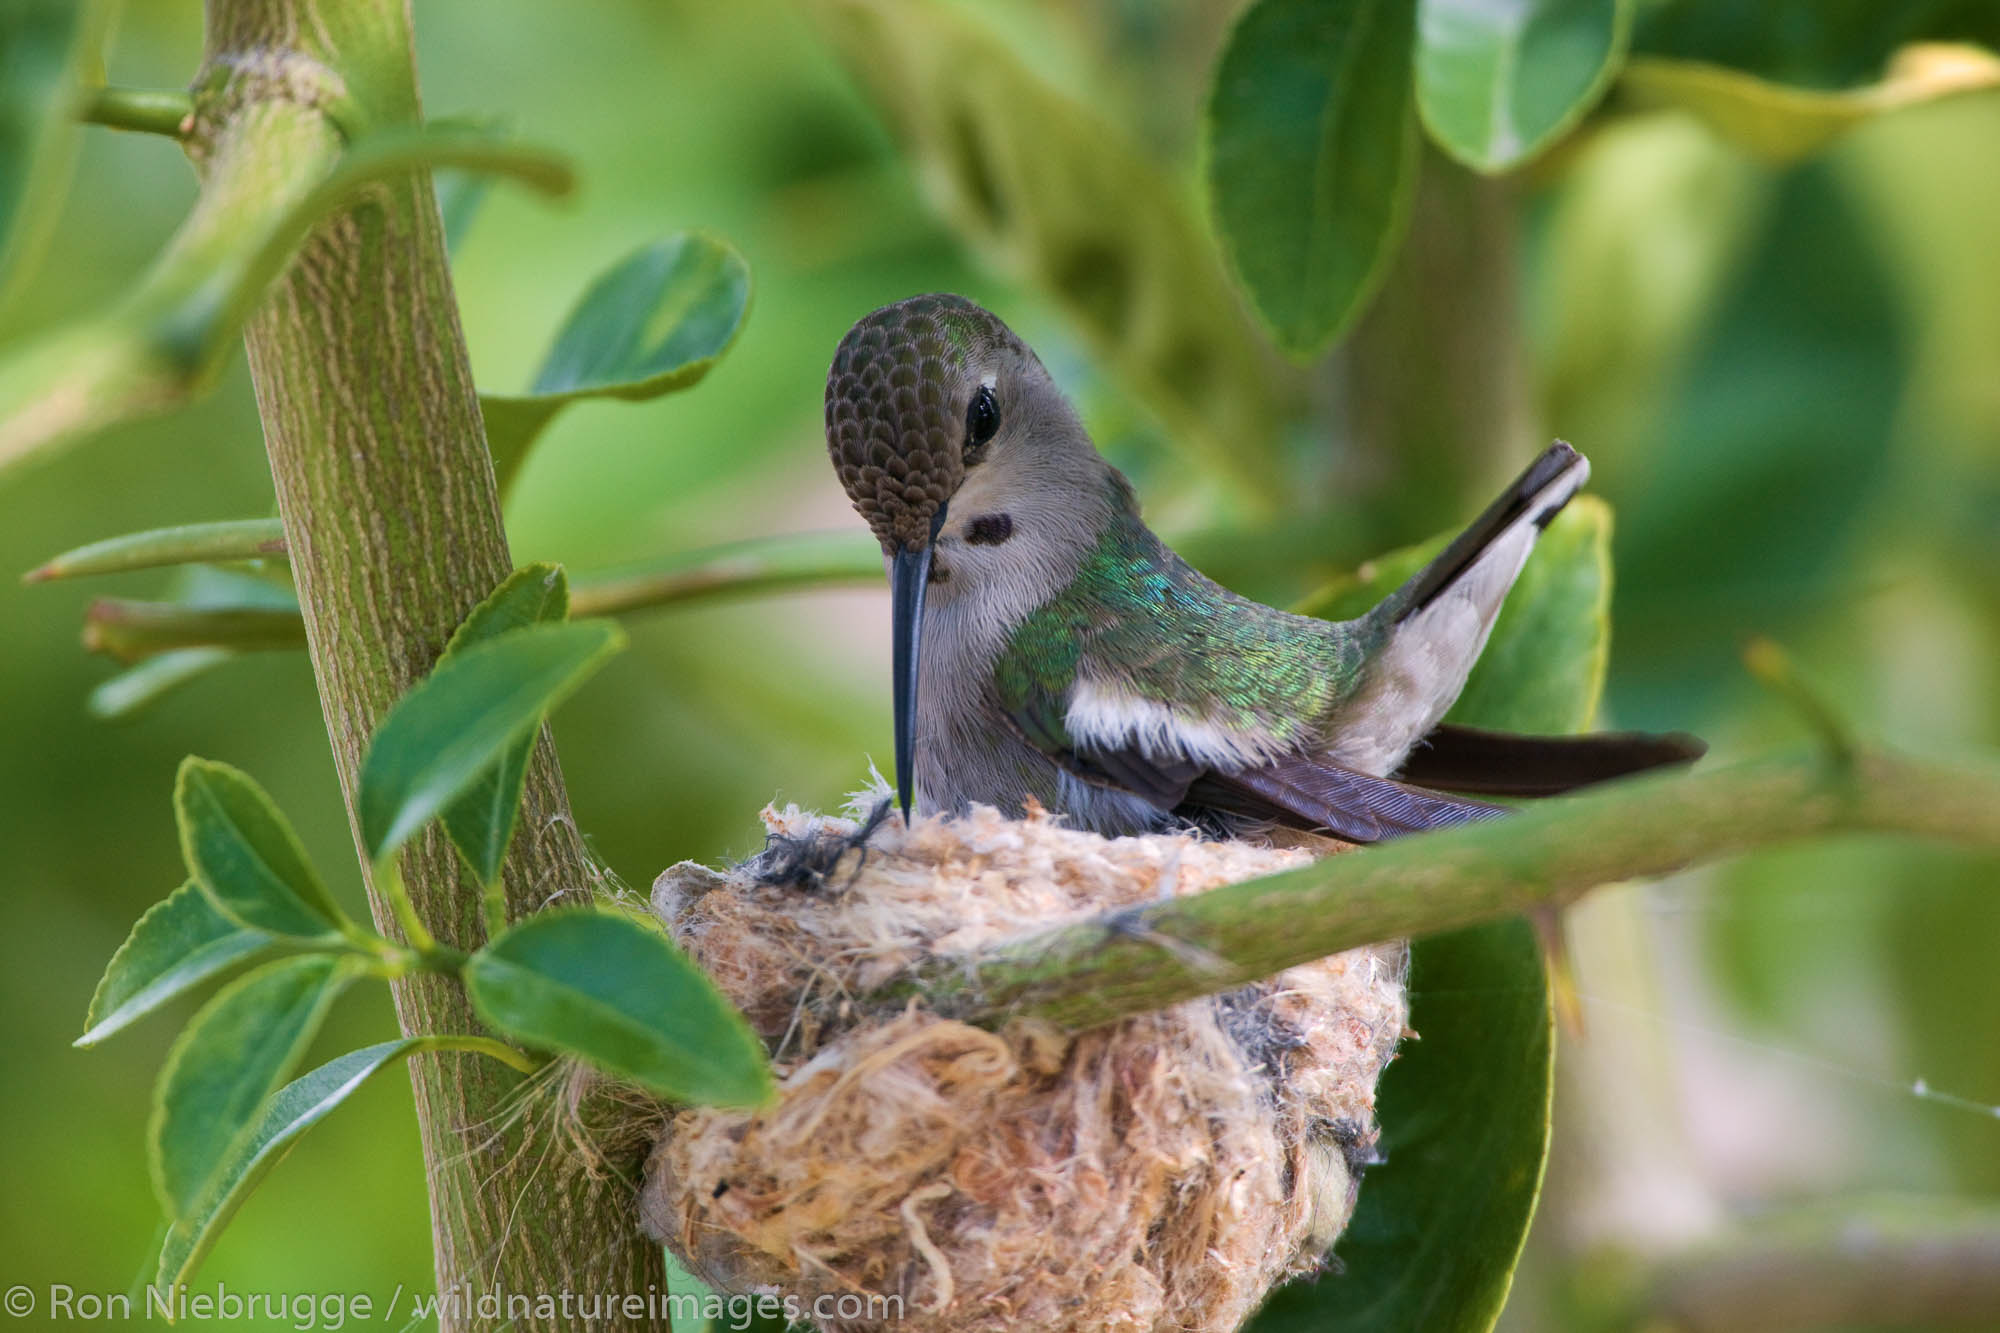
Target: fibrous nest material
x,y
1161,1173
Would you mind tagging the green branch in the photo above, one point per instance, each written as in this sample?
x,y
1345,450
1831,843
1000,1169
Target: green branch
x,y
759,565
383,155
273,175
1547,854
131,630
1894,1261
155,348
165,111
394,534
1769,664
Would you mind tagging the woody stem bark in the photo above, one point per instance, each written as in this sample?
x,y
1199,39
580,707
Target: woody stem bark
x,y
393,525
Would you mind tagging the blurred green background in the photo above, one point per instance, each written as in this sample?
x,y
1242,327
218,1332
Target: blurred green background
x,y
1788,381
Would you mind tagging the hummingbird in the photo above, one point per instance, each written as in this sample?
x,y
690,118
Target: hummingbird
x,y
1048,646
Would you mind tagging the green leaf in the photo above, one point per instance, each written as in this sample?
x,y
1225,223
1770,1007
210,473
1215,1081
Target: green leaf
x,y
44,47
1464,1114
1312,158
137,688
460,720
189,543
179,943
243,853
1055,192
536,594
621,996
235,1051
1780,123
481,823
655,322
1496,84
1464,1110
261,1144
1356,594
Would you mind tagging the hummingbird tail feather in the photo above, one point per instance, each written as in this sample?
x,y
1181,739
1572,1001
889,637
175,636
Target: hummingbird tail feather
x,y
1499,763
1434,627
1489,554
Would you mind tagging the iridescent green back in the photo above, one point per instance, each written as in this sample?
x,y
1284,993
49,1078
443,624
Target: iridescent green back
x,y
1140,617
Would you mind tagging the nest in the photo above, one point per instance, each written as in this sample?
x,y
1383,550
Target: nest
x,y
1162,1173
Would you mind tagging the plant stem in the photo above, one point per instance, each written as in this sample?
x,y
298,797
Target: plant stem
x,y
131,630
134,630
146,110
384,155
150,350
760,565
1546,854
493,898
168,338
393,530
1895,1262
388,881
1768,663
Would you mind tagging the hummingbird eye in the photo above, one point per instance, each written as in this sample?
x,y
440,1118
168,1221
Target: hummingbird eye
x,y
982,419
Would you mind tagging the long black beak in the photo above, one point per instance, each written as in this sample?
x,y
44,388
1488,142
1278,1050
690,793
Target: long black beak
x,y
909,576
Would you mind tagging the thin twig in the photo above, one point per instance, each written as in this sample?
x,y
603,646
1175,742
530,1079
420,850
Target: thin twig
x,y
1900,1262
131,630
1770,664
167,111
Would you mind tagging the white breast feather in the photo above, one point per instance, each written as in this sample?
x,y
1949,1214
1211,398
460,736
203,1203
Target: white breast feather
x,y
1109,718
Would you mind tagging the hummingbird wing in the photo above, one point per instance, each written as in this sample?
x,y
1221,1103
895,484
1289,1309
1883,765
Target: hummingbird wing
x,y
1296,791
1317,796
1145,677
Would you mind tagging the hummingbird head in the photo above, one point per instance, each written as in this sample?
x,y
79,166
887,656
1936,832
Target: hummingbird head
x,y
914,399
920,394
